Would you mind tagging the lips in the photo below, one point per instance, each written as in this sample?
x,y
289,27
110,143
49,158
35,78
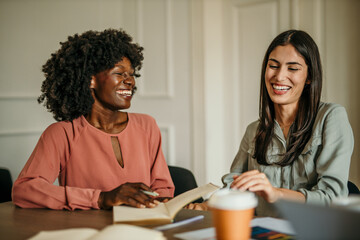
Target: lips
x,y
280,89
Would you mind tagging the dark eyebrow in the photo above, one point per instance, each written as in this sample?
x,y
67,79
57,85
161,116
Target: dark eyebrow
x,y
121,67
292,63
288,63
271,59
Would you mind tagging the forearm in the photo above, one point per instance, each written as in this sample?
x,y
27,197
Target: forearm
x,y
283,193
37,193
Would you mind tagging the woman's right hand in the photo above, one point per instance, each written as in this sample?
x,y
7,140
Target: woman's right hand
x,y
257,182
127,194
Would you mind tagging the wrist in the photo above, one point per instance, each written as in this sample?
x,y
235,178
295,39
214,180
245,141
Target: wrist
x,y
101,201
278,194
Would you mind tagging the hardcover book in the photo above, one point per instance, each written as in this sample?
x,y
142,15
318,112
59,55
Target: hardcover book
x,y
162,213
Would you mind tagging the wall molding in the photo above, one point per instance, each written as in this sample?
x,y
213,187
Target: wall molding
x,y
168,133
169,55
16,133
18,97
295,17
239,59
236,71
198,92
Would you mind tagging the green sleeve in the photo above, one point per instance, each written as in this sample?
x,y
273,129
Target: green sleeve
x,y
333,161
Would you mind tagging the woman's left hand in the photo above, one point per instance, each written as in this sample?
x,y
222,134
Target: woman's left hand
x,y
257,182
197,206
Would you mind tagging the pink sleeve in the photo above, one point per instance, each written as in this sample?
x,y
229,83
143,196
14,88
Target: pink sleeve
x,y
161,181
34,187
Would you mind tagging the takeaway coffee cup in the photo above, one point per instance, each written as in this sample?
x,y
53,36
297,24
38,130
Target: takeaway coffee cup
x,y
232,211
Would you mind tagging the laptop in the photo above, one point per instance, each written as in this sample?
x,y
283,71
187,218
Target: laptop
x,y
320,222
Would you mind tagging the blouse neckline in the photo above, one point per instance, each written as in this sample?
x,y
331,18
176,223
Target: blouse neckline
x,y
105,133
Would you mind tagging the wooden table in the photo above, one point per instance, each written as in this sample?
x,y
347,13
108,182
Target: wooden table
x,y
19,223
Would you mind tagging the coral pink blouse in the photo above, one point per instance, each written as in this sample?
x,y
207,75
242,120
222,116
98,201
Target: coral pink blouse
x,y
83,159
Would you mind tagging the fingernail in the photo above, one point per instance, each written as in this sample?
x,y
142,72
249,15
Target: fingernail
x,y
152,205
156,202
142,206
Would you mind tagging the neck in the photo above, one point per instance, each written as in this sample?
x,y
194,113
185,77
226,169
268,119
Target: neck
x,y
107,121
285,115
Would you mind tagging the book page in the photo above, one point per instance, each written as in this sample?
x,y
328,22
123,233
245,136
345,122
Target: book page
x,y
117,231
175,204
124,231
126,214
72,233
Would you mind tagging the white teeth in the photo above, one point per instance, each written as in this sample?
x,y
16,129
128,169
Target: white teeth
x,y
124,92
280,87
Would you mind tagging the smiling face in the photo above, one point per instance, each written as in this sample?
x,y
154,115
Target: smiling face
x,y
286,76
113,88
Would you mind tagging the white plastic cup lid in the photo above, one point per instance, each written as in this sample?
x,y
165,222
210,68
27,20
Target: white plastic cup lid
x,y
229,199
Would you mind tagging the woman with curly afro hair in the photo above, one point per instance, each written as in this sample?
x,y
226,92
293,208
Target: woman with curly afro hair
x,y
101,155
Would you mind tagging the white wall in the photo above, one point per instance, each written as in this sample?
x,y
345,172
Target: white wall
x,y
201,71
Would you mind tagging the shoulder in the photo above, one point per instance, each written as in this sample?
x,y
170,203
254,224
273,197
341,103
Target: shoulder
x,y
331,110
58,127
252,129
331,117
143,121
250,133
328,107
253,126
63,129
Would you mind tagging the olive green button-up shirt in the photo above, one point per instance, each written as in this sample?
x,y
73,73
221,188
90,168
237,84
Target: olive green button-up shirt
x,y
321,171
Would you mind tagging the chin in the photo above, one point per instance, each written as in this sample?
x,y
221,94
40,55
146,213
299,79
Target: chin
x,y
279,101
124,107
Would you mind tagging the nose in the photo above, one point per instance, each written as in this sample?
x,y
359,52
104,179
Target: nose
x,y
129,80
281,74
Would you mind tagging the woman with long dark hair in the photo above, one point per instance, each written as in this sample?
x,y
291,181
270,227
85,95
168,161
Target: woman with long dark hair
x,y
300,148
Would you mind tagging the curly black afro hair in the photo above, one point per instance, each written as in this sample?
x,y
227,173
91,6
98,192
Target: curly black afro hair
x,y
66,88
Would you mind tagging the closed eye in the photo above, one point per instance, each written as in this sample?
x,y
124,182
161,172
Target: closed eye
x,y
121,74
126,74
273,66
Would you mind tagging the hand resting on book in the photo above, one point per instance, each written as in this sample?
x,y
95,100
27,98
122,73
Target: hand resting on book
x,y
128,194
162,213
197,206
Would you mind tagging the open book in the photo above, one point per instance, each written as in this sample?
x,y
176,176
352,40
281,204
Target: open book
x,y
116,231
162,213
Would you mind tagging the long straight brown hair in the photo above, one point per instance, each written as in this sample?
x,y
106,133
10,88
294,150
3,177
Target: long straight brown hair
x,y
301,130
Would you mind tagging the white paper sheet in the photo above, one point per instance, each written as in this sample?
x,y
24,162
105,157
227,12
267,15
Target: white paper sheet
x,y
202,234
116,231
275,224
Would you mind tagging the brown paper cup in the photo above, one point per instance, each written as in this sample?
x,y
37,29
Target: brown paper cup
x,y
232,224
232,212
